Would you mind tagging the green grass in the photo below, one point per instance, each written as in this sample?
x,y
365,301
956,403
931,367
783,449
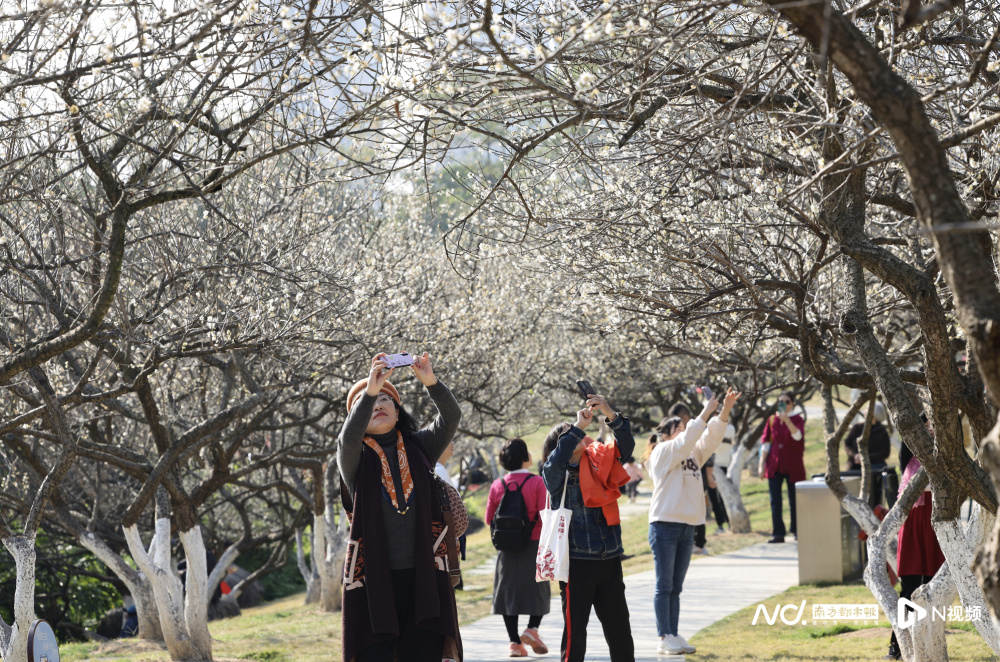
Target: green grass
x,y
283,630
735,638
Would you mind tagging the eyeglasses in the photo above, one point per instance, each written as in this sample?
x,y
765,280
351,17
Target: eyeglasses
x,y
383,400
786,401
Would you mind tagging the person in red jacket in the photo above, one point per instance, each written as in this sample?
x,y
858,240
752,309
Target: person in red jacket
x,y
919,554
781,451
515,590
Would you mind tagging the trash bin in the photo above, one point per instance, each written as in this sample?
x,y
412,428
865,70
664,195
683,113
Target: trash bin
x,y
829,549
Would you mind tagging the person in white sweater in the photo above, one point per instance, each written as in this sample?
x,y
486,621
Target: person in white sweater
x,y
678,506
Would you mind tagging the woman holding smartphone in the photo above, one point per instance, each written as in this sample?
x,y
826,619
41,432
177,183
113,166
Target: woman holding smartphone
x,y
782,448
398,598
677,507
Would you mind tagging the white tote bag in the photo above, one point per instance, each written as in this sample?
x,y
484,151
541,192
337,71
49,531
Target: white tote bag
x,y
552,562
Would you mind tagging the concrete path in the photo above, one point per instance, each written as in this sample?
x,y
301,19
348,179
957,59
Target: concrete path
x,y
715,587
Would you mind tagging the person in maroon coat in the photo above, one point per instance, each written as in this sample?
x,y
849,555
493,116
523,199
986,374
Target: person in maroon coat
x,y
781,451
919,554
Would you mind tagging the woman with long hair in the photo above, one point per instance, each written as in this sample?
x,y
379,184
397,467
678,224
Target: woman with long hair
x,y
515,590
398,598
677,507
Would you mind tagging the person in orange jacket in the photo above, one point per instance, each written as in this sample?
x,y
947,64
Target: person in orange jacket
x,y
595,543
601,478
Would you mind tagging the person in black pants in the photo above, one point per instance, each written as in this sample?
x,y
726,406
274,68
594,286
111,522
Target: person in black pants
x,y
595,538
714,498
601,585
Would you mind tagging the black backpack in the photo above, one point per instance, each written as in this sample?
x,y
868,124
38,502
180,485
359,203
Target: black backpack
x,y
511,529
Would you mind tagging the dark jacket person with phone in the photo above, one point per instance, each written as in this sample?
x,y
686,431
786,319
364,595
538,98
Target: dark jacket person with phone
x,y
398,599
595,545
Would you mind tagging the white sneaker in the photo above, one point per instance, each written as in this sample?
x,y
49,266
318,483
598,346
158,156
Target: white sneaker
x,y
688,648
670,645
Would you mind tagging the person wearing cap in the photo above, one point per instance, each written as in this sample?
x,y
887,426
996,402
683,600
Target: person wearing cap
x,y
398,600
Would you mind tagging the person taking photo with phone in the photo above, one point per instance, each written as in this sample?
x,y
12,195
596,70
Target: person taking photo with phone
x,y
595,533
782,449
677,507
398,599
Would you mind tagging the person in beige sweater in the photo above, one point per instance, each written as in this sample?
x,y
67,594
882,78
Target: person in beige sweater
x,y
677,507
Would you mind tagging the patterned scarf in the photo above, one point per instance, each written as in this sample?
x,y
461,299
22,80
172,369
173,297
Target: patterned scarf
x,y
388,484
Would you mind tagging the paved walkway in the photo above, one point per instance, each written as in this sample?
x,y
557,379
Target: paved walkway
x,y
715,587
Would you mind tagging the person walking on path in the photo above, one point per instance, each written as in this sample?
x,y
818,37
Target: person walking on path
x,y
515,590
398,598
677,507
635,476
595,536
782,449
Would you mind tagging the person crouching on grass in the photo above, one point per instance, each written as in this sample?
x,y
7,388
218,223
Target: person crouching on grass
x,y
595,533
398,600
677,507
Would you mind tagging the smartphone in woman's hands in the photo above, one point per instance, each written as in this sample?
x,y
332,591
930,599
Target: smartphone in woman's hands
x,y
400,360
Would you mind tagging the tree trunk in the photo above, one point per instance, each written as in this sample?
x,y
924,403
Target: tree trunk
x,y
880,536
958,547
196,591
330,565
987,564
184,619
309,573
729,489
929,644
136,582
14,638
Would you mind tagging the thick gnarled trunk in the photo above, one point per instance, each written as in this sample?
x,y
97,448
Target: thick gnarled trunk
x,y
136,582
958,547
14,637
183,608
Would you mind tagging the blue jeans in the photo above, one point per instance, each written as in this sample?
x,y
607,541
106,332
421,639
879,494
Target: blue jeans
x,y
671,543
